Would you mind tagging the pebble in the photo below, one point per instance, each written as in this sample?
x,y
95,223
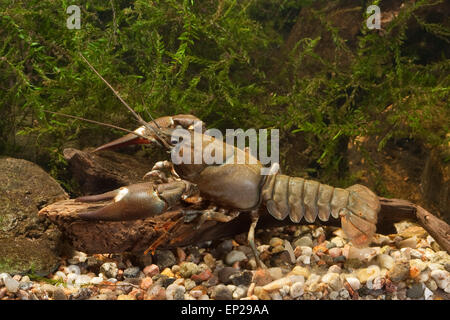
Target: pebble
x,y
296,290
240,292
301,271
442,278
344,293
226,273
151,270
235,256
109,269
333,295
242,278
399,272
11,284
277,284
187,269
262,277
202,276
175,292
416,291
306,260
338,241
132,272
168,273
209,260
303,242
275,242
333,280
354,283
368,273
221,292
335,252
275,273
146,283
165,259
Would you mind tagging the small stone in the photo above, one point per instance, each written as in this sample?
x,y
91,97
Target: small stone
x,y
96,280
375,283
234,256
261,293
408,243
187,269
168,273
181,255
221,292
226,273
301,271
126,297
239,292
146,283
413,231
296,290
335,252
277,284
151,270
209,260
202,276
132,272
82,294
11,284
196,293
306,260
262,277
165,259
275,273
109,269
156,292
386,261
333,295
344,294
399,272
303,242
175,292
368,273
333,280
189,284
431,284
338,241
354,283
442,278
416,291
243,278
82,280
59,294
275,242
334,269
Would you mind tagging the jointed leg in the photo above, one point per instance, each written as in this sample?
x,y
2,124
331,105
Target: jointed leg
x,y
251,237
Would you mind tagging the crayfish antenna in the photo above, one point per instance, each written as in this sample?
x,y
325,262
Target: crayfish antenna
x,y
156,130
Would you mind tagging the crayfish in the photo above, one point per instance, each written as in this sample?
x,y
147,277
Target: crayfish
x,y
236,188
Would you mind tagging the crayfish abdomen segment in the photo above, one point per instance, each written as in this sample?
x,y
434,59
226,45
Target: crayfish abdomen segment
x,y
357,206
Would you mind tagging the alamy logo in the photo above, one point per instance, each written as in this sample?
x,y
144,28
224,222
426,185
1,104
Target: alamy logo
x,y
374,20
74,20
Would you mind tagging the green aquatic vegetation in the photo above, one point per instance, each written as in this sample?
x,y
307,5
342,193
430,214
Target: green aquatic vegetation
x,y
220,61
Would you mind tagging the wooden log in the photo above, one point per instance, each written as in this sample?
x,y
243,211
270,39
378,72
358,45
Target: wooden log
x,y
168,230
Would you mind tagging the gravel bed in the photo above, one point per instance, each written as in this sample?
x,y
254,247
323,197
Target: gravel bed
x,y
303,263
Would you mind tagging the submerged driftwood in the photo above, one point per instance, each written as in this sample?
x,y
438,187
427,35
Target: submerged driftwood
x,y
168,230
138,235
